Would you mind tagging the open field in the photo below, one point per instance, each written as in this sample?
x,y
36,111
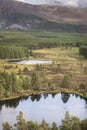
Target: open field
x,y
69,61
41,35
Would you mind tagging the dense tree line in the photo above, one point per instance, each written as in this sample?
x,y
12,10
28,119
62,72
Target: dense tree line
x,y
17,45
68,123
38,42
83,51
25,50
11,83
8,84
12,52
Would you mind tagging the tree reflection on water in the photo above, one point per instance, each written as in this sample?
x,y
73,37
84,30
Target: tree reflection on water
x,y
15,102
65,97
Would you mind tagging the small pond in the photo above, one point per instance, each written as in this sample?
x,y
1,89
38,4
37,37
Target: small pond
x,y
51,107
34,62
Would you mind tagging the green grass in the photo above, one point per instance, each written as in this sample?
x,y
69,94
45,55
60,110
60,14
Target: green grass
x,y
32,37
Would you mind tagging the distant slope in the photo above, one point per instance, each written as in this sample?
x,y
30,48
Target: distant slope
x,y
18,15
65,14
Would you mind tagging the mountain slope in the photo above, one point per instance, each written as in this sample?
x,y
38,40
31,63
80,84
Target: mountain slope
x,y
67,3
19,15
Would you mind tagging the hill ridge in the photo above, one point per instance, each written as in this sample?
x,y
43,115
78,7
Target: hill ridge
x,y
26,16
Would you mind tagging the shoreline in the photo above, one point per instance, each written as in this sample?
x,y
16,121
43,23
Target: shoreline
x,y
27,94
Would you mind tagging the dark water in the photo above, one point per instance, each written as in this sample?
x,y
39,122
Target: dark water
x,y
49,107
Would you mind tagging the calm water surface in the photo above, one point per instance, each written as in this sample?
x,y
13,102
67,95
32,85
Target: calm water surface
x,y
49,107
33,62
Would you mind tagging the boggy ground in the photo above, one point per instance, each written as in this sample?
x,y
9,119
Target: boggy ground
x,y
67,73
65,62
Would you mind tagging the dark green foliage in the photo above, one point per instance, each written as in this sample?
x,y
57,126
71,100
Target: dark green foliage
x,y
54,126
13,82
68,123
83,86
21,44
75,123
51,86
35,81
6,126
10,52
31,53
21,123
83,51
66,83
2,90
33,126
84,124
19,72
85,70
45,125
8,84
26,83
25,70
